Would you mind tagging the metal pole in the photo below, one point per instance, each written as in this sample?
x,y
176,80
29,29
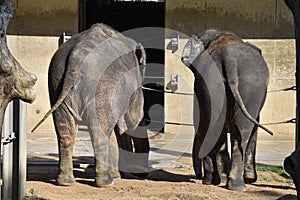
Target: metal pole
x,y
7,155
19,150
294,6
14,152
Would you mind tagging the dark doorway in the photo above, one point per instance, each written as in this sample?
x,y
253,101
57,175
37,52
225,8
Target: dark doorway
x,y
126,17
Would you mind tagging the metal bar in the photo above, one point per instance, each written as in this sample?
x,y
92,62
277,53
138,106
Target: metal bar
x,y
23,150
294,6
7,155
297,36
16,162
19,150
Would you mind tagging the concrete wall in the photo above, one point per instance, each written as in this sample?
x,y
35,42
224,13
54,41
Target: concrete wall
x,y
249,19
44,18
267,24
33,38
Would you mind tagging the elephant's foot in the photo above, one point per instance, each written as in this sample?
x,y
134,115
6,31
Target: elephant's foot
x,y
209,179
198,175
198,171
250,177
65,180
223,177
138,171
115,174
236,185
103,181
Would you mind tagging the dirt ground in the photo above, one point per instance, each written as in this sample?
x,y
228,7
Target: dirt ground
x,y
167,183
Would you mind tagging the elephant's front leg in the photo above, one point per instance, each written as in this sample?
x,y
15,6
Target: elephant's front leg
x,y
216,163
66,132
223,160
197,162
125,150
211,173
139,165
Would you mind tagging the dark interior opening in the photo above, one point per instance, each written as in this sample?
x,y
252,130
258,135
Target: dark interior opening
x,y
126,17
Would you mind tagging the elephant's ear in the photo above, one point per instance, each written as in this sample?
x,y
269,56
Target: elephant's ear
x,y
141,54
211,96
191,50
122,125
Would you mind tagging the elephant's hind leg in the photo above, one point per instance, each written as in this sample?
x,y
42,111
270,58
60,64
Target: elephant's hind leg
x,y
101,144
240,135
250,175
66,132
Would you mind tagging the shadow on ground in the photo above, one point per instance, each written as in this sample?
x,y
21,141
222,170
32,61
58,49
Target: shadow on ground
x,y
45,170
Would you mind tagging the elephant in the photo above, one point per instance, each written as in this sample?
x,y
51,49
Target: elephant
x,y
95,78
291,166
233,73
15,82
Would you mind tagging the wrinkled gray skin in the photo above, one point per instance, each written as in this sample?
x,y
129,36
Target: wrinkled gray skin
x,y
15,82
246,76
95,78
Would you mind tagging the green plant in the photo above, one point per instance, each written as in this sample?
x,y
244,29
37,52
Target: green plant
x,y
275,169
33,195
266,179
32,192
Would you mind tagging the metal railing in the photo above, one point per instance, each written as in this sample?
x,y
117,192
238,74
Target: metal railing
x,y
14,154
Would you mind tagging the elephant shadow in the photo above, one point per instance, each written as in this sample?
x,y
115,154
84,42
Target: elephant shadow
x,y
46,170
163,175
288,197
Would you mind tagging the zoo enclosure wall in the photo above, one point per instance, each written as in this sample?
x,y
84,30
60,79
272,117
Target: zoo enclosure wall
x,y
37,25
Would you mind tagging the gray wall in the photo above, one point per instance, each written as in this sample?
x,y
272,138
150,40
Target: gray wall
x,y
248,19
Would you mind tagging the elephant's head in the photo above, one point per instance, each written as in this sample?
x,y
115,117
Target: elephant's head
x,y
197,44
191,50
15,82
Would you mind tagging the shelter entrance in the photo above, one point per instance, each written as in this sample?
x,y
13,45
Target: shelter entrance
x,y
142,21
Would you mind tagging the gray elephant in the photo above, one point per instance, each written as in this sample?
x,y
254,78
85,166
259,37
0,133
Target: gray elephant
x,y
15,82
291,166
95,78
232,72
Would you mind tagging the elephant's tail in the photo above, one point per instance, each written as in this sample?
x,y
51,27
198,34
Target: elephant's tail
x,y
54,107
239,100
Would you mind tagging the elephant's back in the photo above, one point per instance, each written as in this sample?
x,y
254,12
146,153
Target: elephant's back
x,y
251,66
253,74
85,57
